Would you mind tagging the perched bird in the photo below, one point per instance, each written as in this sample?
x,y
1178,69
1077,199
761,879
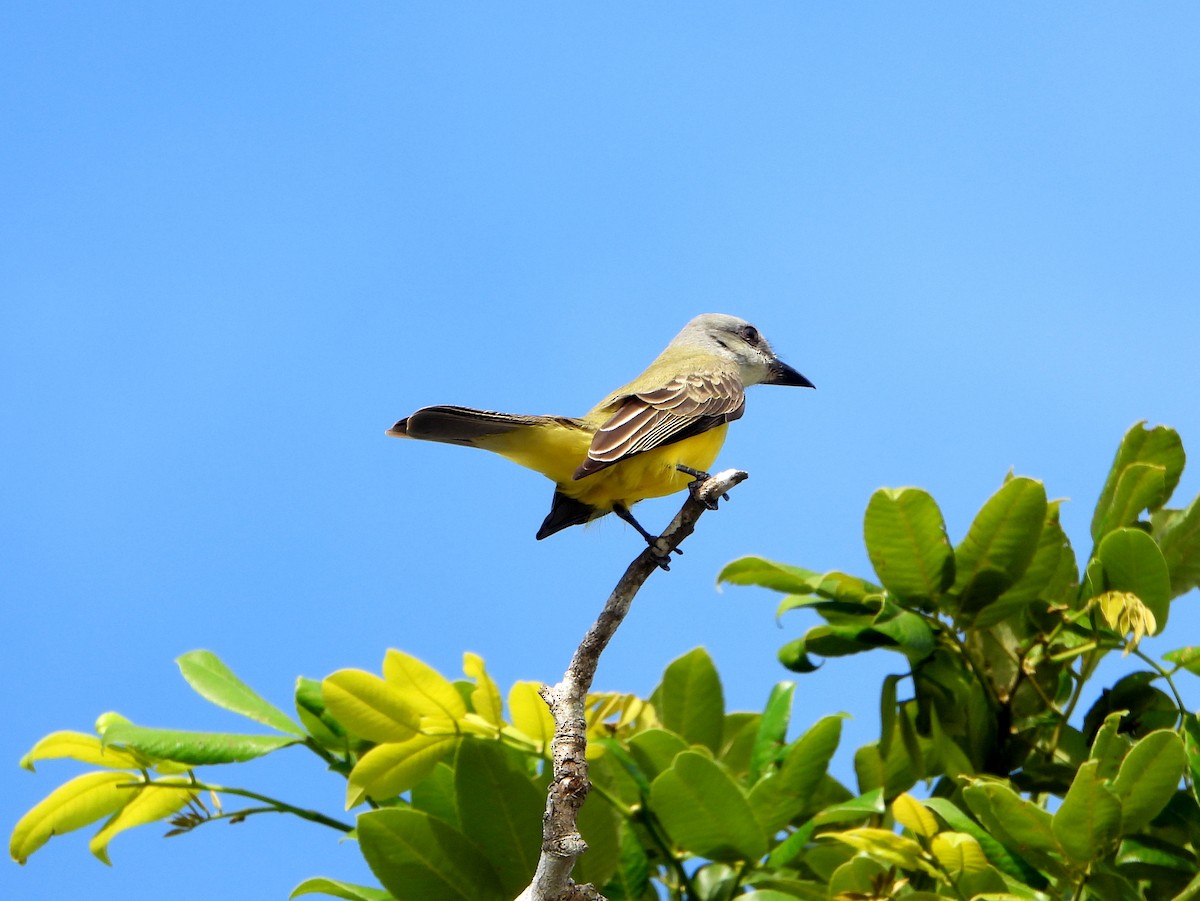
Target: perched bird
x,y
650,438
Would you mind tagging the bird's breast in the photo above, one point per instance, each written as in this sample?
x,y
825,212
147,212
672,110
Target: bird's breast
x,y
652,473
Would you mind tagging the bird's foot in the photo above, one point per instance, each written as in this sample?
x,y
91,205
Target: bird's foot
x,y
699,477
662,557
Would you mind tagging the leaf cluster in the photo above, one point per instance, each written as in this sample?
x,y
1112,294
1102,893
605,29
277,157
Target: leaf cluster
x,y
985,781
1001,635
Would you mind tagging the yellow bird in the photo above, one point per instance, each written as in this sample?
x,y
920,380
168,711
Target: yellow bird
x,y
650,438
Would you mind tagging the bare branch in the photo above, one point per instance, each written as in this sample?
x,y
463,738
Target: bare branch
x,y
561,842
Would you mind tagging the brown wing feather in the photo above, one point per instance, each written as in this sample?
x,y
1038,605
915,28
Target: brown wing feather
x,y
684,407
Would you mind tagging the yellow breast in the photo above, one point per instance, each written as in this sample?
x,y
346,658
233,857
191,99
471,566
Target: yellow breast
x,y
649,474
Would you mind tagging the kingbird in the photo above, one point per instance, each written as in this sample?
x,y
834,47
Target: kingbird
x,y
650,438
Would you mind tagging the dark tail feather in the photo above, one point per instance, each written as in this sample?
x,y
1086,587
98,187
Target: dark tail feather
x,y
463,425
565,512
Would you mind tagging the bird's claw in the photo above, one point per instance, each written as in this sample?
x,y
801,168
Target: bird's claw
x,y
662,559
699,477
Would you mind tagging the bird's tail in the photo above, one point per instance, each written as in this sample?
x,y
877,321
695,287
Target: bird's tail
x,y
551,445
466,426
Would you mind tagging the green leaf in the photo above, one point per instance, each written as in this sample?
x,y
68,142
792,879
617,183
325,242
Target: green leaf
x,y
714,882
1088,823
599,826
1132,562
705,812
151,803
857,878
769,574
846,589
1051,569
906,541
215,682
394,767
1107,883
500,810
655,750
1159,447
772,729
1186,658
1141,486
631,881
1000,857
737,741
1178,535
1148,778
73,805
1191,892
435,795
1023,826
1001,543
320,723
867,805
780,797
794,656
418,857
1109,747
689,700
887,713
907,632
194,748
1191,743
337,889
1146,707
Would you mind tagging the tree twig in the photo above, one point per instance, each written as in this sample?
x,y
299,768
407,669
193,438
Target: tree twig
x,y
561,842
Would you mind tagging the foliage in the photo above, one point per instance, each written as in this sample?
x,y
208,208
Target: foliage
x,y
999,635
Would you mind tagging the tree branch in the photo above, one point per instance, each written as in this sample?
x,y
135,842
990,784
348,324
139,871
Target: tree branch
x,y
561,842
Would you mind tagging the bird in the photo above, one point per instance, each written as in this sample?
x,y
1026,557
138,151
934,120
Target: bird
x,y
654,436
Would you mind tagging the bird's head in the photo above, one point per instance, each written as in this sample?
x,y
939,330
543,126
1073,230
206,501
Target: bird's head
x,y
737,340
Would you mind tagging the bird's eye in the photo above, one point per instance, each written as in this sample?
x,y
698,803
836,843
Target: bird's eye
x,y
750,334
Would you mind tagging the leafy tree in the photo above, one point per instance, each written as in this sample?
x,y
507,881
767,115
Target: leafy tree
x,y
1020,796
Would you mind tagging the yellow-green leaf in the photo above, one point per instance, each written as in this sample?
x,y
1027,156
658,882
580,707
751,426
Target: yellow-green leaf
x,y
389,769
958,853
149,805
84,799
485,696
369,707
912,814
529,713
424,689
885,846
82,747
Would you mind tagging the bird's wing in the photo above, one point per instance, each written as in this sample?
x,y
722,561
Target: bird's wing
x,y
683,407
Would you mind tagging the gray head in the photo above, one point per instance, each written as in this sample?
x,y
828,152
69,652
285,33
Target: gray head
x,y
737,340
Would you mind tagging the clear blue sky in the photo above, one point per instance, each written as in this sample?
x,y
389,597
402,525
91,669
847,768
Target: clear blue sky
x,y
238,241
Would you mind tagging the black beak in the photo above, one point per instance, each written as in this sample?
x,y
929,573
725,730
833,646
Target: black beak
x,y
781,373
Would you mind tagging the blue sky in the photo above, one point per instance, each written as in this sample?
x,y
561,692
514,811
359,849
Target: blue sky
x,y
237,243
